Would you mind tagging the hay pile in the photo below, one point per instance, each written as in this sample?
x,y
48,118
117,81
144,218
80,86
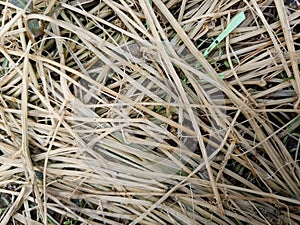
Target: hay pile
x,y
110,114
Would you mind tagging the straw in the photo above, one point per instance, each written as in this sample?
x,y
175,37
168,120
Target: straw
x,y
149,112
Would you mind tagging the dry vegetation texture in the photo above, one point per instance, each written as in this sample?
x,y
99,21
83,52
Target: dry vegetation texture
x,y
110,114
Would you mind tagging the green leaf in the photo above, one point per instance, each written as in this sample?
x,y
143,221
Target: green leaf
x,y
294,124
22,4
226,64
68,222
35,27
235,22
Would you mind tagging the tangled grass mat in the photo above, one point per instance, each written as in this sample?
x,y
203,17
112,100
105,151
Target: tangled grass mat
x,y
149,112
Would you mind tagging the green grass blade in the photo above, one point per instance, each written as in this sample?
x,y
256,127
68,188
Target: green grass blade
x,y
235,22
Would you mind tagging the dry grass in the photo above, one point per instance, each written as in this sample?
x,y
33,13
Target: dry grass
x,y
110,114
